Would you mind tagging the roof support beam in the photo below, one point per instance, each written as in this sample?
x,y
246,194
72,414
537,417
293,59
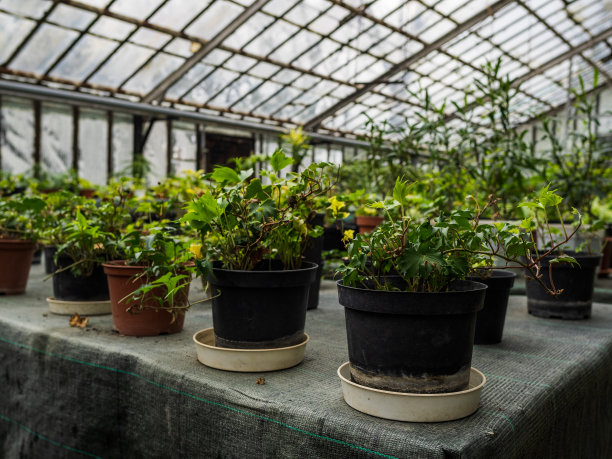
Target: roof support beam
x,y
38,92
437,44
162,87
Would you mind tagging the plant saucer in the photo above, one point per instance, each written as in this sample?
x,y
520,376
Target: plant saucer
x,y
246,360
402,406
84,308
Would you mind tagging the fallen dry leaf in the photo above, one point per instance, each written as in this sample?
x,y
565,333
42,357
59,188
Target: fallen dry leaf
x,y
78,321
261,381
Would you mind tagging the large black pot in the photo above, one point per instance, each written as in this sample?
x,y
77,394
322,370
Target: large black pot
x,y
491,318
412,341
68,287
577,283
260,309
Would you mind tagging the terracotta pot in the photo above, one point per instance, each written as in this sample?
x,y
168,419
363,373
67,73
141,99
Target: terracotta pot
x,y
15,261
367,223
122,280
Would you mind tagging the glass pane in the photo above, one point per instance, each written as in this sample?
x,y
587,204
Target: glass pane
x,y
138,9
176,14
84,57
122,63
12,32
235,91
68,16
43,48
183,147
155,151
153,73
93,129
271,38
56,138
17,134
123,141
214,19
189,80
112,28
31,8
211,85
248,30
150,38
259,95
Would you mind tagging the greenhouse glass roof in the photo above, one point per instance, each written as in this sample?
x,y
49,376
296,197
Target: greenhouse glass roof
x,y
323,64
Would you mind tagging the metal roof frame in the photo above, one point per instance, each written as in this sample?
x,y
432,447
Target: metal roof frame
x,y
326,106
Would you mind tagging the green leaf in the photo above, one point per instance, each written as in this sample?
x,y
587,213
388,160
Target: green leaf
x,y
225,175
280,160
564,259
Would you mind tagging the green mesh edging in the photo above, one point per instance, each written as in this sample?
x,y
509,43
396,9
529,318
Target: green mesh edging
x,y
195,397
42,437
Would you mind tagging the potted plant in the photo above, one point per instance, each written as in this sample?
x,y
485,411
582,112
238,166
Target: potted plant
x,y
84,239
573,269
414,331
252,238
149,286
20,218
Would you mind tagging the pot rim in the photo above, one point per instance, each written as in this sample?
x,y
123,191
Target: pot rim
x,y
120,264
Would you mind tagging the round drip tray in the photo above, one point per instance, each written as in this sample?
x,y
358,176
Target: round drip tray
x,y
246,360
402,406
83,308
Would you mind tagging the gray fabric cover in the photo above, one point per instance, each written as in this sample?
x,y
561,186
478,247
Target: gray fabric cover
x,y
70,392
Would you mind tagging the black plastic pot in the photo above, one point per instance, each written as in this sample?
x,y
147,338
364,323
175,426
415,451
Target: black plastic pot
x,y
37,257
49,252
260,309
491,318
68,287
312,254
412,341
577,283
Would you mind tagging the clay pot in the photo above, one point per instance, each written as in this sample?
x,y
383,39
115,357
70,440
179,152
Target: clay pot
x,y
15,261
367,223
122,281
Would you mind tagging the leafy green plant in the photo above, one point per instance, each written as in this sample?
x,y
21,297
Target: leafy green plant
x,y
165,254
243,220
21,217
296,143
430,254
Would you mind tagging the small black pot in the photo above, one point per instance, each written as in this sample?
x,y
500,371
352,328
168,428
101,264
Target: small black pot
x,y
37,257
491,318
577,283
313,254
260,309
49,252
412,341
68,287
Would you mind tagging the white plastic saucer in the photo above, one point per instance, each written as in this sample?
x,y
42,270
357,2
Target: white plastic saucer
x,y
246,360
84,308
401,406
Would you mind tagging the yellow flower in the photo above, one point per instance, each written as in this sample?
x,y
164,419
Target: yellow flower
x,y
348,236
335,205
196,250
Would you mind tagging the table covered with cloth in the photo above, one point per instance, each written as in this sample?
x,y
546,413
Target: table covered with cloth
x,y
72,392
